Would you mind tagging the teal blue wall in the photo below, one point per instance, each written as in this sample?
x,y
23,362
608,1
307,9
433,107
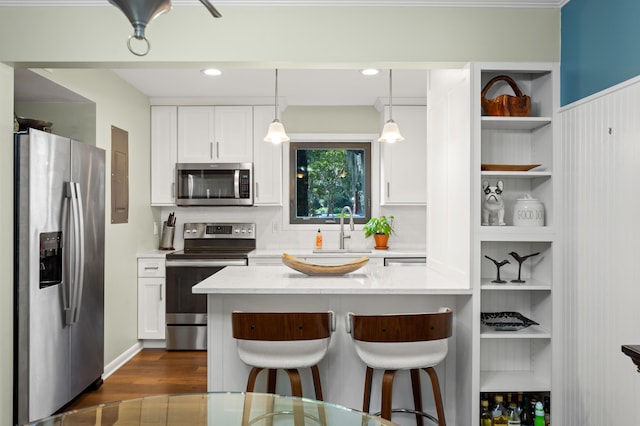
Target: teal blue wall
x,y
600,46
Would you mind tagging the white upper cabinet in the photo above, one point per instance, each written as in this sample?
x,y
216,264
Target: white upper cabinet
x,y
220,134
267,165
164,152
403,164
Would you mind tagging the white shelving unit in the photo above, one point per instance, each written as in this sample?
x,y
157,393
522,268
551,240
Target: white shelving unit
x,y
516,361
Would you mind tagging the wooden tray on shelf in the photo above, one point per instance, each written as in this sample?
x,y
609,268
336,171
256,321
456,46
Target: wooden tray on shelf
x,y
508,167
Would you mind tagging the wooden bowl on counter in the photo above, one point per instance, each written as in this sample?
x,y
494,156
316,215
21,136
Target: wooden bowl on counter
x,y
309,268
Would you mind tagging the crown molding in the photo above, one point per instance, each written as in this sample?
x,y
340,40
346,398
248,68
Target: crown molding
x,y
329,3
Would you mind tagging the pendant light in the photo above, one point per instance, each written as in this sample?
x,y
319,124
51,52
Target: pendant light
x,y
276,133
390,131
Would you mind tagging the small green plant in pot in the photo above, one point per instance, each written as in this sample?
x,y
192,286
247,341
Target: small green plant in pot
x,y
380,227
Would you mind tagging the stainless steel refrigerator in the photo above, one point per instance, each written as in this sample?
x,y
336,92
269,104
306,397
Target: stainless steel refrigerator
x,y
58,272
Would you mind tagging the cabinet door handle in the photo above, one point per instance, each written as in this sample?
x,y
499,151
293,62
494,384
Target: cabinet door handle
x,y
151,267
257,194
161,288
173,190
388,190
211,150
217,150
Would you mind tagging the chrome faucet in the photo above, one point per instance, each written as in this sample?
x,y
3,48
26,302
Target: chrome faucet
x,y
351,225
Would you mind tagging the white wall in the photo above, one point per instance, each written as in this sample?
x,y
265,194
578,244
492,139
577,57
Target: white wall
x,y
601,160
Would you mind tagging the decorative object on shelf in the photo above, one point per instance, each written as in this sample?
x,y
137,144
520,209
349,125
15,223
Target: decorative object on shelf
x,y
506,105
390,131
507,167
520,260
498,266
528,211
141,12
309,268
381,228
493,206
276,133
506,321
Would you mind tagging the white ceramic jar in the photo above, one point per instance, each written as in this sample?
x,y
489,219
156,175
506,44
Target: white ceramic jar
x,y
528,211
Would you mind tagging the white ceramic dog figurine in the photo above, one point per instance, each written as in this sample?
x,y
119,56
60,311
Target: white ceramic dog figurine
x,y
493,206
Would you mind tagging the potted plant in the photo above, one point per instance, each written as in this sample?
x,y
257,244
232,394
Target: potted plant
x,y
380,227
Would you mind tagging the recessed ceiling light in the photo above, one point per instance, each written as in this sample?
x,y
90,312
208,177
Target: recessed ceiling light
x,y
370,71
211,71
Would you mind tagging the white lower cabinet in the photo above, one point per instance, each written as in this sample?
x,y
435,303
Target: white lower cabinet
x,y
151,298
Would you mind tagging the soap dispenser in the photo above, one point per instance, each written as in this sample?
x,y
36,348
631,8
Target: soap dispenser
x,y
319,240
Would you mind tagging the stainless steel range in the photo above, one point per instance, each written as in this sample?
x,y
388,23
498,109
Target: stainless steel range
x,y
208,248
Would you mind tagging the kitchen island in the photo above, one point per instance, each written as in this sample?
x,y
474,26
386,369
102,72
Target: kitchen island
x,y
372,289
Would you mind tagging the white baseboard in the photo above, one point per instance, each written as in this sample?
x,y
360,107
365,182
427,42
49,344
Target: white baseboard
x,y
122,359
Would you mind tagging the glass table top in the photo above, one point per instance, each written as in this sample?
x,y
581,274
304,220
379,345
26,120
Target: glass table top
x,y
220,409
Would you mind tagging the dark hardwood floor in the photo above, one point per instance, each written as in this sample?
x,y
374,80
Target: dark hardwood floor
x,y
150,372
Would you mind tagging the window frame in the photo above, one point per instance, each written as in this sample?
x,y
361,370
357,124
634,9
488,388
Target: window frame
x,y
347,138
294,146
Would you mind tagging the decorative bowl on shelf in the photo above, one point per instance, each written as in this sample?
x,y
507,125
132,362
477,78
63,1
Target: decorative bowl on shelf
x,y
508,167
309,268
506,321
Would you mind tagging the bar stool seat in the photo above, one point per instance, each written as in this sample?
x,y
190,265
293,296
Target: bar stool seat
x,y
402,342
283,340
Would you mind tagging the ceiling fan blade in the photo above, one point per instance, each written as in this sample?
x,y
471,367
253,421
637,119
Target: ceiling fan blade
x,y
211,9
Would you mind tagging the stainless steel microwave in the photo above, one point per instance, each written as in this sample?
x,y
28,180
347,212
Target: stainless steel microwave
x,y
214,184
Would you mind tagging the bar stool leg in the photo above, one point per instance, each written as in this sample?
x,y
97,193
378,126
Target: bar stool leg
x,y
315,371
296,390
253,375
435,385
387,393
368,378
271,380
296,383
417,395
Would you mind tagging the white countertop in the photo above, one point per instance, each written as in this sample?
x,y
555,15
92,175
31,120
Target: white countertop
x,y
371,279
155,253
308,252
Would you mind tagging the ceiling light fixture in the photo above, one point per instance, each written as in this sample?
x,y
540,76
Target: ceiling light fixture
x,y
370,71
390,131
211,72
141,12
276,133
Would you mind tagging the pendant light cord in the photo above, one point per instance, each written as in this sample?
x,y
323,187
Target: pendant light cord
x,y
390,95
276,95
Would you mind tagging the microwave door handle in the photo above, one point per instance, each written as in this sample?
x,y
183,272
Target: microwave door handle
x,y
236,183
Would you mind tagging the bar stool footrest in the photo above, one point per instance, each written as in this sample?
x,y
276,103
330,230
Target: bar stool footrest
x,y
411,411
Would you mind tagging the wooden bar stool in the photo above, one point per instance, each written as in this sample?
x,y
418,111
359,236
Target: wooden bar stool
x,y
283,340
402,342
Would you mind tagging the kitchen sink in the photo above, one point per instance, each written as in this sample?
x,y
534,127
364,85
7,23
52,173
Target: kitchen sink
x,y
341,251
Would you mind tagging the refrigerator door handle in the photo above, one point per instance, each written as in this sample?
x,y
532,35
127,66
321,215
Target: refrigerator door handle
x,y
66,270
81,254
74,287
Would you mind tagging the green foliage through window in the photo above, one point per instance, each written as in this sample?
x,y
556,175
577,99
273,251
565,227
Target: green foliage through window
x,y
327,176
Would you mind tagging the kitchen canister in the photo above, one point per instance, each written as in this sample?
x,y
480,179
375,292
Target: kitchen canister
x,y
528,211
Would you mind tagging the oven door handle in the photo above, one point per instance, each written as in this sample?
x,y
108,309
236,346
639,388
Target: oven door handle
x,y
205,263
